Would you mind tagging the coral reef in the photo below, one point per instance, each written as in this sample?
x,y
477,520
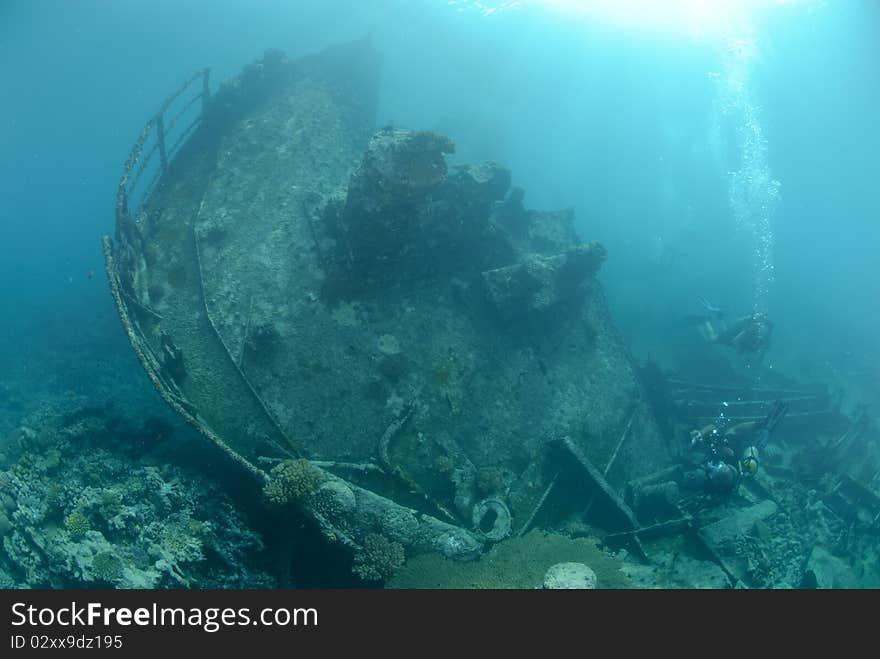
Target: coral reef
x,y
77,524
83,508
407,218
291,481
379,558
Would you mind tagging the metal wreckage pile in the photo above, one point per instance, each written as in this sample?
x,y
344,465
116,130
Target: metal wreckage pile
x,y
396,349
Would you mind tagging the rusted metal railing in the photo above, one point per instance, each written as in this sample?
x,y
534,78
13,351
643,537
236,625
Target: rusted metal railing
x,y
701,403
160,127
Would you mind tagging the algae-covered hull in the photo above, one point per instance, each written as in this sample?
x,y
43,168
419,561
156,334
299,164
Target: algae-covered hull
x,y
320,298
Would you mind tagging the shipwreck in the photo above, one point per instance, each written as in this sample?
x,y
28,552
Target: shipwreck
x,y
392,346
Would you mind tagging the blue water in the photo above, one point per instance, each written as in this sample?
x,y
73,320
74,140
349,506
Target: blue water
x,y
741,167
614,121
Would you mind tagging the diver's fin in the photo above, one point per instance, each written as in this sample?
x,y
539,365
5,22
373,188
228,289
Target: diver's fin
x,y
768,425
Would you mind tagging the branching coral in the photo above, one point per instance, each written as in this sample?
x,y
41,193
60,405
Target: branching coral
x,y
379,558
77,524
107,567
291,481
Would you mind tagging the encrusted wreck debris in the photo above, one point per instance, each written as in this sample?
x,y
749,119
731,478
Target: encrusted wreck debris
x,y
392,345
296,284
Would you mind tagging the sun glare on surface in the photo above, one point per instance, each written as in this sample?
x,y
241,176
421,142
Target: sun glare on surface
x,y
699,19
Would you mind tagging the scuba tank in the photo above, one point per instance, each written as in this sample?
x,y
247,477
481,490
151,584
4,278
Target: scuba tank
x,y
748,464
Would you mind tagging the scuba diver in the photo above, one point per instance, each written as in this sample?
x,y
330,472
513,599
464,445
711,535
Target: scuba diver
x,y
749,334
726,454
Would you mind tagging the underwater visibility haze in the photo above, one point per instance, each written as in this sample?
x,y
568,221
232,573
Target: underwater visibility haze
x,y
444,294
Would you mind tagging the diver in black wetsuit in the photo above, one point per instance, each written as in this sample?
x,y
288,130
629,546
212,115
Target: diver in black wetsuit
x,y
725,454
749,334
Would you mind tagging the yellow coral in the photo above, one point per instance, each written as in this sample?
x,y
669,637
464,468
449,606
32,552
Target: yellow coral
x,y
77,524
291,481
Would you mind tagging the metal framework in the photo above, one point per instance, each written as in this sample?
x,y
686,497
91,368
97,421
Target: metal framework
x,y
701,403
161,126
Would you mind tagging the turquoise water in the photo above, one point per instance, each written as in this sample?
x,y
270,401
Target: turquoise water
x,y
650,134
715,152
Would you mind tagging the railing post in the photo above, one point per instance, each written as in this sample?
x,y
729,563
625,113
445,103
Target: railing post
x,y
160,139
132,172
206,89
